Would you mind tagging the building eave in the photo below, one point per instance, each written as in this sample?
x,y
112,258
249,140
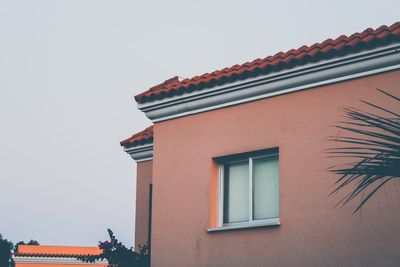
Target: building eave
x,y
54,260
325,72
141,153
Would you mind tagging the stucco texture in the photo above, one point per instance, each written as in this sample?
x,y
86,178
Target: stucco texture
x,y
143,180
312,232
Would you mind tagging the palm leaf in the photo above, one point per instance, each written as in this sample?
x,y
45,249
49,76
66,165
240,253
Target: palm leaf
x,y
373,146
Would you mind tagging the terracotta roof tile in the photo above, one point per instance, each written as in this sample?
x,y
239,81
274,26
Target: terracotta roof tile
x,y
141,138
55,251
50,255
329,48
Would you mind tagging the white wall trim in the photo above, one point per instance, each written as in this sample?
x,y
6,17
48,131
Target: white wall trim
x,y
141,153
353,66
54,260
246,225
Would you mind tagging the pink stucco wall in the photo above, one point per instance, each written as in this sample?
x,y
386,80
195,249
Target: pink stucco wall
x,y
143,180
312,231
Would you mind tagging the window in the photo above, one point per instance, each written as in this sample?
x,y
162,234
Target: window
x,y
249,189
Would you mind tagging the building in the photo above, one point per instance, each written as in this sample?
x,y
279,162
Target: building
x,y
55,256
267,118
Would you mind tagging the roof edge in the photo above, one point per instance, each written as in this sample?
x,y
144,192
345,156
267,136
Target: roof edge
x,y
352,66
341,46
50,259
141,153
138,139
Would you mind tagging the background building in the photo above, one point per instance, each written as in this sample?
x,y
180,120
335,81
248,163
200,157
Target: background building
x,y
54,256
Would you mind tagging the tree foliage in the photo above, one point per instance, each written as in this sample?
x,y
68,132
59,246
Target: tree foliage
x,y
6,247
374,147
119,255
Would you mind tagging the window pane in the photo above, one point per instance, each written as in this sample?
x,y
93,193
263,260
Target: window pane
x,y
265,188
236,193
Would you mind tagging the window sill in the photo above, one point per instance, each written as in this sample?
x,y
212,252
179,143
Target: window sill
x,y
237,226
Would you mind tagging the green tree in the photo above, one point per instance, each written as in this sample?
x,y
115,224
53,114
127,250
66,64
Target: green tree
x,y
6,247
373,145
119,255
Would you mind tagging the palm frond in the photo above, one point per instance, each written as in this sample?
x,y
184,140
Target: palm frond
x,y
374,146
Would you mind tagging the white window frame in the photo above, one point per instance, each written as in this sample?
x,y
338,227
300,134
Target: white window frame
x,y
250,223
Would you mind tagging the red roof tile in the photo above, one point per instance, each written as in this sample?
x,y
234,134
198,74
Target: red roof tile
x,y
328,49
143,137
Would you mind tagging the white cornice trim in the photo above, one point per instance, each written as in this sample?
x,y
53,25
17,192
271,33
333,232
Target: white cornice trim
x,y
54,260
141,153
353,66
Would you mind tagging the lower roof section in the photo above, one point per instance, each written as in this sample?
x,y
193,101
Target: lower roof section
x,y
140,152
40,254
140,138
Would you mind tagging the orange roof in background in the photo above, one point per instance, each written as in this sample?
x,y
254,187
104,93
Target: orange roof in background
x,y
343,45
56,251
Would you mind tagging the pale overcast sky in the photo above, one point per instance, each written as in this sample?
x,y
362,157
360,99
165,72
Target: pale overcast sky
x,y
69,71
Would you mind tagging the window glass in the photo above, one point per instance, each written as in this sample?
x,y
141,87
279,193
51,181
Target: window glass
x,y
265,188
236,192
